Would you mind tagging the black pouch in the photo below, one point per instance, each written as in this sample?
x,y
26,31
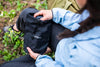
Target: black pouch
x,y
36,32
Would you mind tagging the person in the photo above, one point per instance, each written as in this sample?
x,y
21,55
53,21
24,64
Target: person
x,y
78,47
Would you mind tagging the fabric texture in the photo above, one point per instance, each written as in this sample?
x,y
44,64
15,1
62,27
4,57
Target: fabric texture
x,y
23,61
65,4
56,30
36,32
68,19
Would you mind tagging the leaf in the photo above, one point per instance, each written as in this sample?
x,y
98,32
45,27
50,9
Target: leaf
x,y
5,52
9,56
14,54
5,45
0,51
5,58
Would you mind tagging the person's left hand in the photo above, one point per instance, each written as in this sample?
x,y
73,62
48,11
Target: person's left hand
x,y
32,54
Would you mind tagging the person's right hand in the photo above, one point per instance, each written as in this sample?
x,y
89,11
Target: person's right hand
x,y
47,14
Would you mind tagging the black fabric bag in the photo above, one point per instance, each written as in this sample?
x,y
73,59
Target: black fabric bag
x,y
36,32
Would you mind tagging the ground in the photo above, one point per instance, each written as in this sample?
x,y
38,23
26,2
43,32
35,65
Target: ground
x,y
7,21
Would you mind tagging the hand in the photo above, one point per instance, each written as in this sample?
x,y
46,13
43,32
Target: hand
x,y
15,27
47,14
48,50
32,54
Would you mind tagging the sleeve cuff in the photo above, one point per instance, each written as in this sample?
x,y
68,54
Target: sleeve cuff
x,y
42,56
54,15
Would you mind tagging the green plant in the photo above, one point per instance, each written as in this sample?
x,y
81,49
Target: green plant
x,y
3,14
40,4
12,13
20,5
37,4
44,4
0,30
13,45
1,7
10,1
51,55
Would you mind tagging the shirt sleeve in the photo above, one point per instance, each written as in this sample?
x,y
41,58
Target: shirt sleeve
x,y
46,61
68,19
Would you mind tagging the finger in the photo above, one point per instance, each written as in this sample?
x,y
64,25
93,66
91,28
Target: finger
x,y
32,54
38,13
44,18
29,50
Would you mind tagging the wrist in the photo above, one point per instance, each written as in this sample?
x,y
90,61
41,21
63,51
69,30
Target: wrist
x,y
52,13
37,56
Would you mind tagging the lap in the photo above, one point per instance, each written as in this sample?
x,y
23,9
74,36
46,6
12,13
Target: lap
x,y
24,61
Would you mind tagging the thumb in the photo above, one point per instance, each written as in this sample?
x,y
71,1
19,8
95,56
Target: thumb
x,y
32,54
38,13
29,50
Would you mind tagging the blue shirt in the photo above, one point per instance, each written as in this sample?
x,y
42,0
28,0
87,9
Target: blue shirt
x,y
82,50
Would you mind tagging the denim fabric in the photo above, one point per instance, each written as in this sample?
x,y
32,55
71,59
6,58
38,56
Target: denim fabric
x,y
69,19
